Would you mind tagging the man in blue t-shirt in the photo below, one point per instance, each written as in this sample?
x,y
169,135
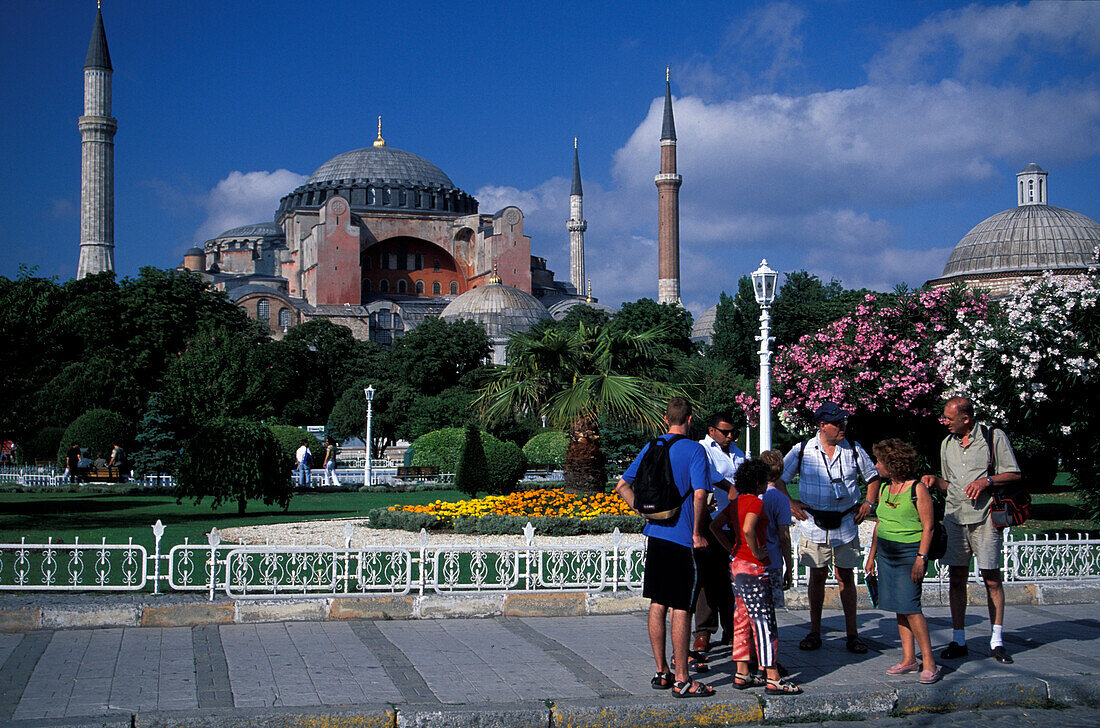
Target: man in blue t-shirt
x,y
671,579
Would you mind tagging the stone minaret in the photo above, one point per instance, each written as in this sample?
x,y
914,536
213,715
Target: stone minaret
x,y
668,210
577,225
97,160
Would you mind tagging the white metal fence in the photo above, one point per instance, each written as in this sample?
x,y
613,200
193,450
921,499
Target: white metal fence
x,y
290,570
49,477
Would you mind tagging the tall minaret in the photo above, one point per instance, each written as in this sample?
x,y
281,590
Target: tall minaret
x,y
668,210
97,160
577,225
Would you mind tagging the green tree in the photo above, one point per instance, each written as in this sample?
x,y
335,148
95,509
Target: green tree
x,y
157,441
572,379
645,314
736,326
234,460
290,439
472,473
547,448
436,354
339,358
803,305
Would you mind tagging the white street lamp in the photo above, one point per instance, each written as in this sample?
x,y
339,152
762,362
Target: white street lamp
x,y
763,285
369,393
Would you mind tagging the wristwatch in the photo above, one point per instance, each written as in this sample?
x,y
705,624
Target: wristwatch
x,y
989,480
924,556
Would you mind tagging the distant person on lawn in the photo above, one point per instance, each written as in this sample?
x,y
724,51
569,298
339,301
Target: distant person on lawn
x,y
671,580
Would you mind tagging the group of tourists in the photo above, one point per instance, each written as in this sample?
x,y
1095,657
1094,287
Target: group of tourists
x,y
79,463
724,553
304,463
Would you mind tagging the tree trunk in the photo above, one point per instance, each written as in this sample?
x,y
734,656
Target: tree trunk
x,y
585,466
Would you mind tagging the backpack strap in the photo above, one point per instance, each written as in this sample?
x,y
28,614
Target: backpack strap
x,y
801,452
988,435
674,438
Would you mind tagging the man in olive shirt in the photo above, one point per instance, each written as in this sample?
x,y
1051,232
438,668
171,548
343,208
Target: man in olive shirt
x,y
969,479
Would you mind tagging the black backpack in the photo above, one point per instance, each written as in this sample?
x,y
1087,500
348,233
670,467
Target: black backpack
x,y
656,496
1011,503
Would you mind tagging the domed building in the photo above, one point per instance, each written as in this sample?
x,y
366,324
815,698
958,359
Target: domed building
x,y
502,310
702,331
377,239
1025,241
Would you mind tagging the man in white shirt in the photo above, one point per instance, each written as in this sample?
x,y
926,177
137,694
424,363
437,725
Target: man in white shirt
x,y
715,602
829,507
302,455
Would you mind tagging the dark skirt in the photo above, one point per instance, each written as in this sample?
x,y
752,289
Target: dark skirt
x,y
896,591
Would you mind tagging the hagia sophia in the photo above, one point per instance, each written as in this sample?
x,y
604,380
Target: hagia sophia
x,y
379,239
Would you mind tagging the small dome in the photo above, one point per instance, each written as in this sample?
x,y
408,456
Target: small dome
x,y
381,163
255,230
1026,238
501,309
702,332
194,251
561,309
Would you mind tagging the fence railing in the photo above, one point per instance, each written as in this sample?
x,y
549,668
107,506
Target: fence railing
x,y
45,477
246,571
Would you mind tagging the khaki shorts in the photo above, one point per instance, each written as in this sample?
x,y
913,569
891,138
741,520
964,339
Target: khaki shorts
x,y
822,555
982,541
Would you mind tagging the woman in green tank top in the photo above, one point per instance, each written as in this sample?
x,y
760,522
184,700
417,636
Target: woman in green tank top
x,y
899,552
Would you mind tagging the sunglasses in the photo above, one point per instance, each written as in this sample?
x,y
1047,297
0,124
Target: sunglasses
x,y
727,433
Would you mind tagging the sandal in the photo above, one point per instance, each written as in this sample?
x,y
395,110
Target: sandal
x,y
782,687
662,681
855,645
812,641
696,662
742,682
692,689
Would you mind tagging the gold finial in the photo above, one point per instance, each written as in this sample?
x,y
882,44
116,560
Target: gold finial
x,y
666,74
589,299
574,142
379,142
98,4
494,280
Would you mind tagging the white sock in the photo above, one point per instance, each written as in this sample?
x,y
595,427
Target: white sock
x,y
958,636
995,639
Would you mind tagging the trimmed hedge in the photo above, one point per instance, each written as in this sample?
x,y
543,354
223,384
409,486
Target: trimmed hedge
x,y
96,431
547,448
290,439
492,525
443,448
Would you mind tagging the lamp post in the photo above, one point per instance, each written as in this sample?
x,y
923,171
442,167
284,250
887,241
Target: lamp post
x,y
369,394
763,285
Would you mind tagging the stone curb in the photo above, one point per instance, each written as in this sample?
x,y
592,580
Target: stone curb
x,y
662,710
25,613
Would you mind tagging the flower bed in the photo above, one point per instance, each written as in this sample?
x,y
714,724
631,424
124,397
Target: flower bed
x,y
552,511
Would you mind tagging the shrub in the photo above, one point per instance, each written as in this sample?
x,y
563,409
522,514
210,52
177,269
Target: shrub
x,y
43,446
290,439
234,460
97,432
472,472
442,448
157,441
547,448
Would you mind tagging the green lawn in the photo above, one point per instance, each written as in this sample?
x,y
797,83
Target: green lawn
x,y
91,517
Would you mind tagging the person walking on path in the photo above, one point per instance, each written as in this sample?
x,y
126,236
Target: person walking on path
x,y
671,577
830,505
899,553
330,462
714,605
751,583
72,464
970,472
303,457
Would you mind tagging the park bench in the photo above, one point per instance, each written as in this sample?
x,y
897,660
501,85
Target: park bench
x,y
539,471
417,473
102,475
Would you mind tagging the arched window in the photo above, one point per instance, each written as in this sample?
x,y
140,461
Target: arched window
x,y
454,288
436,288
420,288
383,319
383,286
263,311
1040,190
402,286
397,325
1031,190
435,264
284,318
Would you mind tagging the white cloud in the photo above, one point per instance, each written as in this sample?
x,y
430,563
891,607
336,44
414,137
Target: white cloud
x,y
245,197
974,41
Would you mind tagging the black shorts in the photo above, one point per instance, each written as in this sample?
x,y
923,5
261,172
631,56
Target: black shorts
x,y
671,579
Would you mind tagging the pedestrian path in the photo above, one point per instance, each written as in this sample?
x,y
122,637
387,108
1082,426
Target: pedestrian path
x,y
572,670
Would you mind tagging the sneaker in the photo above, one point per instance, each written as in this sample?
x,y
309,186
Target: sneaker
x,y
954,651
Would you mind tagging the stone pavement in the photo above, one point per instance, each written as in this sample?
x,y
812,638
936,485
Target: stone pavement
x,y
504,671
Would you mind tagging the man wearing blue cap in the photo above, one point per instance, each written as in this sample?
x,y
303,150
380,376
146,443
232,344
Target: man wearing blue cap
x,y
829,507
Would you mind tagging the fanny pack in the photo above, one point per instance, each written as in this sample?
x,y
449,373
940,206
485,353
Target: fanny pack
x,y
829,520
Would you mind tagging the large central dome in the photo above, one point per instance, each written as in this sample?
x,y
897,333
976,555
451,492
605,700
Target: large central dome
x,y
383,164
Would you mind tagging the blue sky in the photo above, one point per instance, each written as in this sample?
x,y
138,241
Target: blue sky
x,y
858,141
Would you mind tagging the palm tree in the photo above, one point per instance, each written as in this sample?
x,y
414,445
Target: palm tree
x,y
572,378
